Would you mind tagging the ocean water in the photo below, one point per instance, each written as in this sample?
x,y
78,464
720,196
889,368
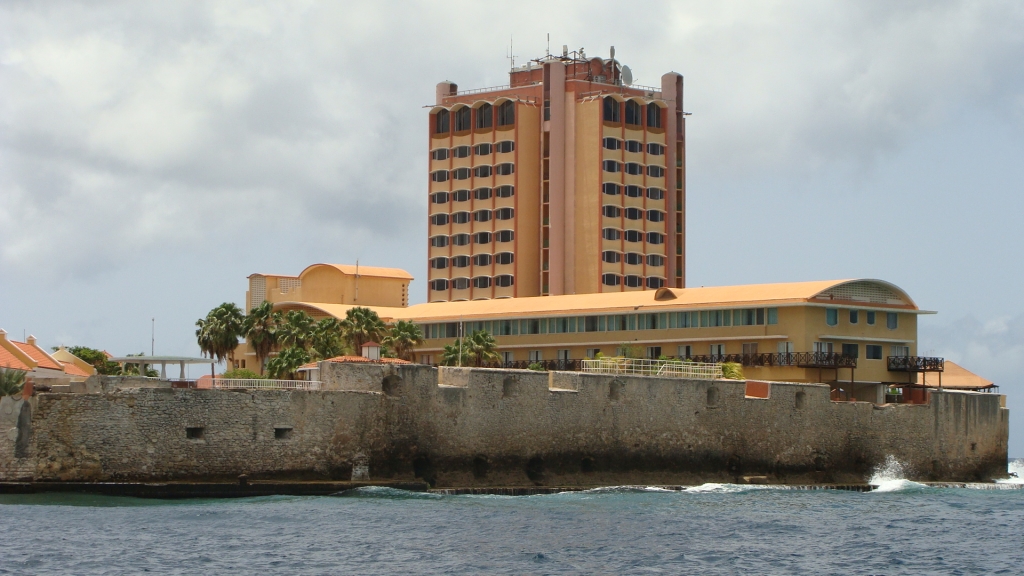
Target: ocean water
x,y
902,528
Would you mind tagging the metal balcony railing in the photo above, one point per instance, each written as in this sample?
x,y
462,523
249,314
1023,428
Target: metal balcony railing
x,y
663,368
262,384
798,359
915,364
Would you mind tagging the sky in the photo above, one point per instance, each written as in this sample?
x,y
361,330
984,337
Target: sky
x,y
154,154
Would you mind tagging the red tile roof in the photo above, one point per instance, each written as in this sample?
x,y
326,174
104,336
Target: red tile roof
x,y
37,354
8,360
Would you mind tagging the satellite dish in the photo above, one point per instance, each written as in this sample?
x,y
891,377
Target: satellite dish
x,y
627,76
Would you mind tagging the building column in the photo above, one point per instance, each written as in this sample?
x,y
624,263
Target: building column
x,y
556,178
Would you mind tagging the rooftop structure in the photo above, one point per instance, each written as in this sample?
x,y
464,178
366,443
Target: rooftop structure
x,y
38,364
568,180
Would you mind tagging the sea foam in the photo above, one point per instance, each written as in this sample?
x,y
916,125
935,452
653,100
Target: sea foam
x,y
891,476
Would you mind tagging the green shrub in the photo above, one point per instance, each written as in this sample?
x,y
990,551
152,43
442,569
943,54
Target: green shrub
x,y
242,374
536,366
732,371
11,382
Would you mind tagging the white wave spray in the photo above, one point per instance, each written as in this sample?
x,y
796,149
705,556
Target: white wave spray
x,y
891,476
1015,468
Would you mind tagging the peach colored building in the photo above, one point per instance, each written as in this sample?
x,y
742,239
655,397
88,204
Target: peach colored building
x,y
569,180
39,365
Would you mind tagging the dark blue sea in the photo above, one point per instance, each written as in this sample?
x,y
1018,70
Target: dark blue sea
x,y
905,528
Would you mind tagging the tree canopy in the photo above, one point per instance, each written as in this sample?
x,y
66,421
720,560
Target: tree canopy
x,y
218,333
362,325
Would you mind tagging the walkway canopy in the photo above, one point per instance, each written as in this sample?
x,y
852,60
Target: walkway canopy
x,y
163,361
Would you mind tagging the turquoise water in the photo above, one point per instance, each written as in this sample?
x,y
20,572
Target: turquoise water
x,y
713,529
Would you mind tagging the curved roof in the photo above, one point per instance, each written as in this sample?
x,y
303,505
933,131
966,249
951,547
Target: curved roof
x,y
374,271
856,292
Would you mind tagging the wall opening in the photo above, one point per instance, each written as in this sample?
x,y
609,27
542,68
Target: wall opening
x,y
801,400
423,468
615,388
509,387
535,469
480,467
195,433
391,385
712,397
587,464
282,432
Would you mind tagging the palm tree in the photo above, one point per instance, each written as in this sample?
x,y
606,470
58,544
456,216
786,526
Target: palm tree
x,y
325,340
260,329
285,363
455,354
11,382
297,330
481,347
218,333
362,325
402,338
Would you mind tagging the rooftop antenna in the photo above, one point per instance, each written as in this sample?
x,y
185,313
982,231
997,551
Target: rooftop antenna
x,y
357,281
547,52
510,55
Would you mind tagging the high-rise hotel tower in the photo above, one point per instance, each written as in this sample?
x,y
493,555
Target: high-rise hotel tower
x,y
570,180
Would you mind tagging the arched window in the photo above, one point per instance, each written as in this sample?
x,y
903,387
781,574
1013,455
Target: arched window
x,y
482,216
482,193
460,174
611,188
482,171
460,218
653,115
505,146
441,122
611,256
633,258
461,151
610,234
611,211
460,261
655,238
482,282
504,281
505,191
483,116
611,109
634,113
462,118
634,169
655,216
439,284
460,239
460,196
439,219
634,146
632,281
460,283
634,236
439,154
504,236
439,176
634,214
655,282
439,241
655,260
506,113
655,193
611,166
610,279
655,149
504,258
439,198
655,171
439,263
482,238
504,213
634,191
482,260
482,149
612,143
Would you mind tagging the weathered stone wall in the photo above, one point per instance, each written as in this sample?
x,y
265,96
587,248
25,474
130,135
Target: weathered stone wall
x,y
466,427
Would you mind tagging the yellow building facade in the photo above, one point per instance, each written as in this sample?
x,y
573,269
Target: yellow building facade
x,y
862,331
570,180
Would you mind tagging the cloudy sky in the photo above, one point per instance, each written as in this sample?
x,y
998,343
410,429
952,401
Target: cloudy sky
x,y
154,154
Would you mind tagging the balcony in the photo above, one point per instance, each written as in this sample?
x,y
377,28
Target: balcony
x,y
798,359
915,364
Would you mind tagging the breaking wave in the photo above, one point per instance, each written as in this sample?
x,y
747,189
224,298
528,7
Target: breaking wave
x,y
1015,468
891,476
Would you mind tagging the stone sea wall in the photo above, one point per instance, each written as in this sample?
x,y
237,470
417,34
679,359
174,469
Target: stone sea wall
x,y
478,427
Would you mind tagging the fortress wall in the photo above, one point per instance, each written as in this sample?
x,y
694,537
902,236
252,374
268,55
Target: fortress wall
x,y
501,427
